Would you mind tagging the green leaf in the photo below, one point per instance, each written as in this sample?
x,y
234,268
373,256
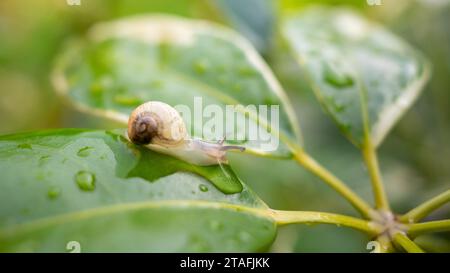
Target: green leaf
x,y
364,76
253,18
124,63
96,188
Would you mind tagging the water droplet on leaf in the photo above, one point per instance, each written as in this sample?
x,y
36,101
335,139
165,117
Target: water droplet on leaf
x,y
43,159
53,192
338,107
85,180
84,152
345,127
203,188
24,146
337,78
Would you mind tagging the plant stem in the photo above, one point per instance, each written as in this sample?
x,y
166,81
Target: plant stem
x,y
311,217
385,244
371,159
313,166
426,208
432,226
407,243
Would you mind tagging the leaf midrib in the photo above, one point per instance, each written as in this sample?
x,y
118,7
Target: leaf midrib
x,y
18,229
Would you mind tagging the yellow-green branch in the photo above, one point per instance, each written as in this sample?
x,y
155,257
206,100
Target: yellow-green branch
x,y
312,217
427,227
371,159
426,208
385,243
407,244
313,166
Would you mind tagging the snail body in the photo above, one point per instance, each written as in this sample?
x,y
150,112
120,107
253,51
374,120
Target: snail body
x,y
159,127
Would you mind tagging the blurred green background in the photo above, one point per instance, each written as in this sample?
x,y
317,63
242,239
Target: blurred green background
x,y
415,158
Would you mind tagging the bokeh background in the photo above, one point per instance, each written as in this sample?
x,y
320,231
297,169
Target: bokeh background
x,y
415,158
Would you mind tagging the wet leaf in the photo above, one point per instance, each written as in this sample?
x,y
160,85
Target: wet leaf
x,y
120,197
255,19
124,63
364,76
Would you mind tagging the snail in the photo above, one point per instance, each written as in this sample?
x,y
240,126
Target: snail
x,y
159,127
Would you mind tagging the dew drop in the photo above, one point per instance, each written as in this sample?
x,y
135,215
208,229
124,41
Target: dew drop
x,y
84,152
43,159
203,188
85,180
345,128
53,193
338,107
339,79
24,146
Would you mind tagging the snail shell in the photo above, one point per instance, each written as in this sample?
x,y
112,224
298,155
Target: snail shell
x,y
160,127
156,122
